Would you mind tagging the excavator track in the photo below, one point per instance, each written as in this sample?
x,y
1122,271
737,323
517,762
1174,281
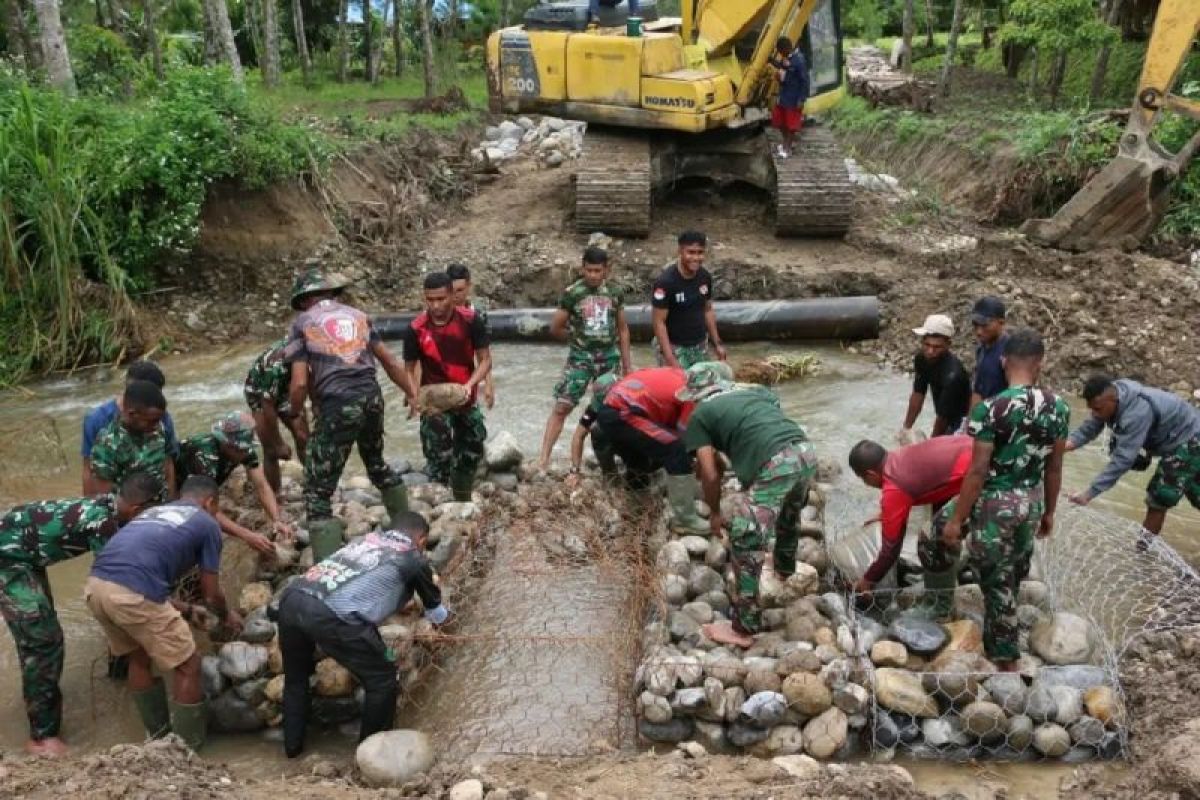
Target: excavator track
x,y
613,184
813,193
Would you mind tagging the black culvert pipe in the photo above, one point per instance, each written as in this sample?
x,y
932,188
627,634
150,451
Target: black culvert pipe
x,y
844,318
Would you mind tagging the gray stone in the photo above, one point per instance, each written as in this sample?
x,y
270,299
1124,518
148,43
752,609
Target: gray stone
x,y
257,629
743,735
364,497
415,478
470,789
852,698
491,134
689,700
231,714
943,732
783,740
985,721
887,733
241,661
734,697
1040,704
801,767
445,551
696,546
918,634
1068,704
502,453
673,559
712,736
700,611
210,676
869,632
726,668
681,625
900,690
400,466
1020,732
392,758
718,600
506,481
655,708
1052,741
762,680
1008,691
252,691
511,131
1087,731
674,589
704,579
1081,676
1064,638
824,735
715,555
679,729
833,606
764,709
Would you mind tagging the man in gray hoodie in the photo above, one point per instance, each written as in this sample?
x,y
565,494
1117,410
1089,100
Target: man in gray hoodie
x,y
1143,419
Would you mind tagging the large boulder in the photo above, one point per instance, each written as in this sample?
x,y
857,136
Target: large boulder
x,y
1020,732
918,634
253,596
654,707
392,758
807,693
763,709
887,653
900,690
231,714
824,735
678,729
502,453
241,661
985,721
1008,691
332,679
1064,638
1052,741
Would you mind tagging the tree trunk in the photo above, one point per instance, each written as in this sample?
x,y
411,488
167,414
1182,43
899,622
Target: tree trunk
x,y
301,39
1057,75
343,39
505,12
906,58
16,33
217,15
951,48
270,55
369,37
427,48
929,24
1100,72
54,46
252,22
1034,64
451,19
117,18
101,16
151,29
397,38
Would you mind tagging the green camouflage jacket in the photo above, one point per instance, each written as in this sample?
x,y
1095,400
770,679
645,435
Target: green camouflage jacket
x,y
269,379
592,316
50,531
1022,423
201,455
119,452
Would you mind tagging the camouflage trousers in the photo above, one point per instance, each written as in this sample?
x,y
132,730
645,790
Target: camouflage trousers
x,y
452,442
1176,476
999,538
28,608
685,354
338,428
582,368
768,513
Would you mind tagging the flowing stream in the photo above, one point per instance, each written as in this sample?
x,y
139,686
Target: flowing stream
x,y
851,398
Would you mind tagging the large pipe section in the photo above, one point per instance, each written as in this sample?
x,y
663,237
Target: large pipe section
x,y
842,318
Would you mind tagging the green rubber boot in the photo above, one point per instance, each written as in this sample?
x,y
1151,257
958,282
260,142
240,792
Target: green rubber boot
x,y
190,722
326,537
938,600
395,500
461,483
152,708
681,493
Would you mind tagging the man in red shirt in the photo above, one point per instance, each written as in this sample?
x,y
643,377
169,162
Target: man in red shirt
x,y
451,345
926,473
641,418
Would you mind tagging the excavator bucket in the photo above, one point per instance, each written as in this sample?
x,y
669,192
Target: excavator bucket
x,y
1117,208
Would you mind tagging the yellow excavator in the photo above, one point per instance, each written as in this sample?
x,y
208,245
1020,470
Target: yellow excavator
x,y
672,98
1126,200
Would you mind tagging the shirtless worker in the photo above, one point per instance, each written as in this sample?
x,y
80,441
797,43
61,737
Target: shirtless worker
x,y
32,537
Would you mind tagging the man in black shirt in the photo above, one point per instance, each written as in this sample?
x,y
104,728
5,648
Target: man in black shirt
x,y
685,323
937,368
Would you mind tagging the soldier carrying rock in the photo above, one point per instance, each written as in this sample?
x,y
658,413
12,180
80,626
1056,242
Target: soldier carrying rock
x,y
32,537
337,605
266,392
128,592
216,454
773,460
1010,492
332,349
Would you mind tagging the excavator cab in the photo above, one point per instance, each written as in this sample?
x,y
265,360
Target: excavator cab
x,y
683,97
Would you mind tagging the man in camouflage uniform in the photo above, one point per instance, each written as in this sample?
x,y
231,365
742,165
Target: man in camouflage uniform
x,y
1010,492
32,537
133,442
333,349
775,463
217,454
266,392
591,314
448,344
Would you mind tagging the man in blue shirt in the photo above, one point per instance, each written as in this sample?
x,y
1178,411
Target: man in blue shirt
x,y
987,318
788,114
128,592
100,416
337,605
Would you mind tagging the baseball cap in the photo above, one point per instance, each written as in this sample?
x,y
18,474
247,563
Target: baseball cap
x,y
704,380
936,325
986,309
236,429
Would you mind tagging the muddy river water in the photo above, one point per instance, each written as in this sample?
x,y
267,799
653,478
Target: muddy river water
x,y
851,398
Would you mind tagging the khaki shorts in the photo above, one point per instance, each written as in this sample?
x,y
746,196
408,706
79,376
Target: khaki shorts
x,y
131,622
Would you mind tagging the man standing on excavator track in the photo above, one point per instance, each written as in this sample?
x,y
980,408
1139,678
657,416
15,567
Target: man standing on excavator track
x,y
788,114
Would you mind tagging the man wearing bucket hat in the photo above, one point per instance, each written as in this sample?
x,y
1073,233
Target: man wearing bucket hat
x,y
936,368
228,445
333,349
773,460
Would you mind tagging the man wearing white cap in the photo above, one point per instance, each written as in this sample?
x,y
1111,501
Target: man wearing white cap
x,y
936,368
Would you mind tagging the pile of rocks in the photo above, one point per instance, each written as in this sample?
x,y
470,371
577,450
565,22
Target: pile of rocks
x,y
552,140
243,679
937,696
800,688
